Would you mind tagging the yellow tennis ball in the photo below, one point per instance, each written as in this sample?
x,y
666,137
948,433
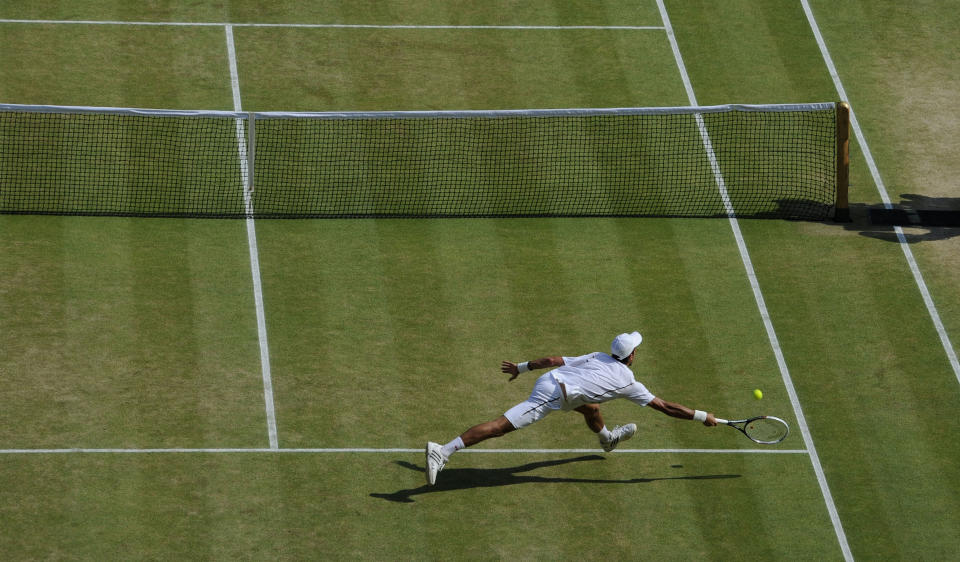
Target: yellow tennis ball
x,y
758,394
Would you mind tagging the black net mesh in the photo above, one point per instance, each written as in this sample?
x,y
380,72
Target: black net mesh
x,y
766,163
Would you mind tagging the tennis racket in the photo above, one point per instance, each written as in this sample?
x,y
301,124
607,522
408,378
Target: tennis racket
x,y
767,430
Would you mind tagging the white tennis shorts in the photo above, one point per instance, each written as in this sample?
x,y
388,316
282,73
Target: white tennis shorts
x,y
544,398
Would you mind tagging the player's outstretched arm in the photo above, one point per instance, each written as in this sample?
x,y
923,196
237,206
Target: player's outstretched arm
x,y
675,410
543,363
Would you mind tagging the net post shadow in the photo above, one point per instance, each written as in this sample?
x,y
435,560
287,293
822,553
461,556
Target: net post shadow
x,y
928,219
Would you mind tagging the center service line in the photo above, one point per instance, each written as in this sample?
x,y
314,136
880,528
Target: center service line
x,y
252,243
761,303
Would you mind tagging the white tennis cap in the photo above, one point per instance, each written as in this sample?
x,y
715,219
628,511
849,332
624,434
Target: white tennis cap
x,y
624,344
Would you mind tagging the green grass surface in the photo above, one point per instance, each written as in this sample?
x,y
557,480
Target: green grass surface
x,y
391,12
404,69
435,306
350,506
386,333
125,333
156,67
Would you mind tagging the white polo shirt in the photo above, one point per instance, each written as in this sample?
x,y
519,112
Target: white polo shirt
x,y
598,377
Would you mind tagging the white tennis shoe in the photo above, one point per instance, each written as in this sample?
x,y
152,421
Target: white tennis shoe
x,y
435,461
619,433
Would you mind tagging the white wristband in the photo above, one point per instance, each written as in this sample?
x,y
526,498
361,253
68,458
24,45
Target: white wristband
x,y
699,415
523,367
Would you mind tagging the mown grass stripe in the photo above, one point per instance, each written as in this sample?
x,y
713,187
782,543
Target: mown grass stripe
x,y
338,25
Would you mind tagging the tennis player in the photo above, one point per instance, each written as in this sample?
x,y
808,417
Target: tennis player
x,y
574,383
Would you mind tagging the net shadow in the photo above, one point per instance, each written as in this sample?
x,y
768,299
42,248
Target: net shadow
x,y
453,479
792,209
927,219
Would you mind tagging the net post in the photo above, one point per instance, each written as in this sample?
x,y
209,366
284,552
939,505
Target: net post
x,y
842,209
251,149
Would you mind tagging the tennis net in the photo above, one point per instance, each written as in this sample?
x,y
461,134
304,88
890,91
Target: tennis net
x,y
779,161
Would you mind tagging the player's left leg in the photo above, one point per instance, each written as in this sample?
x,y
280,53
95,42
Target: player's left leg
x,y
608,439
593,417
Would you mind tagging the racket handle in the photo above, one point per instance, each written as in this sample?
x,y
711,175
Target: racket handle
x,y
721,420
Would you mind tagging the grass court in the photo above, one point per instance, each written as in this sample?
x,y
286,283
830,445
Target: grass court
x,y
229,389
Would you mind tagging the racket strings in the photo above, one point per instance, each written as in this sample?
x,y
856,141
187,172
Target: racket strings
x,y
766,429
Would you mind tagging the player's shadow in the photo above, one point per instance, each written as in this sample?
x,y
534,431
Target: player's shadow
x,y
452,479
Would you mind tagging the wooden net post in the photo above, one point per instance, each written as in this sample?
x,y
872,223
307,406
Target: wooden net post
x,y
842,210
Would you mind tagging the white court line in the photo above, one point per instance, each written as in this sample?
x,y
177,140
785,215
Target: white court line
x,y
338,25
252,243
881,188
391,450
761,303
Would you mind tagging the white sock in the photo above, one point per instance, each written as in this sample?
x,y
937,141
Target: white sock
x,y
605,434
452,447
